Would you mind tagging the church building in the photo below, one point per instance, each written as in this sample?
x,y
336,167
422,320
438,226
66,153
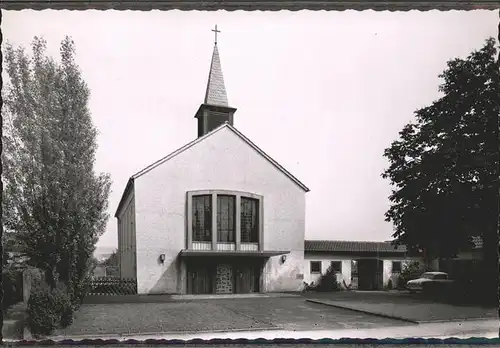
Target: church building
x,y
216,216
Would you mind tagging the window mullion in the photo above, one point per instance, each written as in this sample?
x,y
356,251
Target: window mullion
x,y
189,221
214,221
260,222
238,222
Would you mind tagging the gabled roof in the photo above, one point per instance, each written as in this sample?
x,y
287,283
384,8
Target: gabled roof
x,y
216,90
351,246
196,141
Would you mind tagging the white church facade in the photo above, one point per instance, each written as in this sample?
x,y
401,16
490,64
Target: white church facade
x,y
215,216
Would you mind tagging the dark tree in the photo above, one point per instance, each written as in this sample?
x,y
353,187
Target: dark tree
x,y
54,204
112,260
444,168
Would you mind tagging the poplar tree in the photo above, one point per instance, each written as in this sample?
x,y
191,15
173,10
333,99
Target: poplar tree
x,y
54,203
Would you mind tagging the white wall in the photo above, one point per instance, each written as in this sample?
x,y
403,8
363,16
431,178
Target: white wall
x,y
325,263
327,258
221,161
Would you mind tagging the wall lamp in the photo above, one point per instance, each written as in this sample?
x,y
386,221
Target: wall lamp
x,y
162,258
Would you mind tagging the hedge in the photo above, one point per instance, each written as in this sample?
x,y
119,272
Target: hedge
x,y
48,309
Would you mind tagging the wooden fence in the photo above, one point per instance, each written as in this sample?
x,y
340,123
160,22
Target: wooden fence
x,y
107,286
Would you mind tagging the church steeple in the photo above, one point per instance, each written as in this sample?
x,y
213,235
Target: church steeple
x,y
216,90
215,109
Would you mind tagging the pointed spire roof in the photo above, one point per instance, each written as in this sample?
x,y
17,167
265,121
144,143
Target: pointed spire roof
x,y
216,90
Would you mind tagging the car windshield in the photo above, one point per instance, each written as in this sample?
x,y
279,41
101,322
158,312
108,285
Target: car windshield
x,y
427,276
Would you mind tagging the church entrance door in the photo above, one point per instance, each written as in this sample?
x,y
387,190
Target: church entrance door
x,y
246,277
199,279
223,276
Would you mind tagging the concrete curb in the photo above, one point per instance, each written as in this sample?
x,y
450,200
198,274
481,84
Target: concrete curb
x,y
456,320
154,298
127,336
382,315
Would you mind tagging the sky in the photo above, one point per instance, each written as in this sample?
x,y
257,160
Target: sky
x,y
323,93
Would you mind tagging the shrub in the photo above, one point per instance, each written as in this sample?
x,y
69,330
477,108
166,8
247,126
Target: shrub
x,y
42,318
48,309
389,284
411,270
398,282
328,282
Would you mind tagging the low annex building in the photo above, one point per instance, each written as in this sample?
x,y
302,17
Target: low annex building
x,y
359,265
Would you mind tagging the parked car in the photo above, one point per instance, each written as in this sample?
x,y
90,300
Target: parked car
x,y
429,282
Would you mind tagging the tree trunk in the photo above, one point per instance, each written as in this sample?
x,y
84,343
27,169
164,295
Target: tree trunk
x,y
50,278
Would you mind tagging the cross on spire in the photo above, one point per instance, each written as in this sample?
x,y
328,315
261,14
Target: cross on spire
x,y
216,31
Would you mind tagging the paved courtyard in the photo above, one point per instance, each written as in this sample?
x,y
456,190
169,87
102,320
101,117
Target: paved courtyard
x,y
412,307
262,313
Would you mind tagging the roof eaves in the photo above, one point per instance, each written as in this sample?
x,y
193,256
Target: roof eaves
x,y
269,158
196,141
130,184
176,152
351,246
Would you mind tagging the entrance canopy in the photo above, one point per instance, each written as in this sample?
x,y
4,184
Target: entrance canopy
x,y
231,253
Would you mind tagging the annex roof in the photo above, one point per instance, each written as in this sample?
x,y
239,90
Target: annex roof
x,y
364,246
351,246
